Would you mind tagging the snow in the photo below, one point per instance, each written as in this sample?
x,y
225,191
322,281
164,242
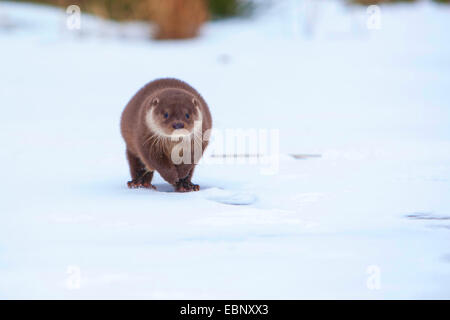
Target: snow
x,y
367,219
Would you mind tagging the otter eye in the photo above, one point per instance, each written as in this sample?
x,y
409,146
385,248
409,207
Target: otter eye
x,y
166,115
187,115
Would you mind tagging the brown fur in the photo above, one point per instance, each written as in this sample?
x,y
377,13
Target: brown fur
x,y
147,150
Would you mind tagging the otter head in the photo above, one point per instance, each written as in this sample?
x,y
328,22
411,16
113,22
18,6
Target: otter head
x,y
173,113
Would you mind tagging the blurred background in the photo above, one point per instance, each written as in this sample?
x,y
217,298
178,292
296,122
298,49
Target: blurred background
x,y
178,19
175,19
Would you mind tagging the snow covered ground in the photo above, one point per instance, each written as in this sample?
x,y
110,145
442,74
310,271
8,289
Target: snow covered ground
x,y
369,218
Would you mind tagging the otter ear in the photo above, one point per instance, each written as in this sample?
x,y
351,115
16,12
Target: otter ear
x,y
195,102
155,101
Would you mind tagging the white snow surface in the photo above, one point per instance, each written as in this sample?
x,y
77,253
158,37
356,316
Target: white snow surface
x,y
368,219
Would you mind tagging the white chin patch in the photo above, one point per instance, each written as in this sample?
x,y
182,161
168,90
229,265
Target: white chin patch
x,y
180,133
155,127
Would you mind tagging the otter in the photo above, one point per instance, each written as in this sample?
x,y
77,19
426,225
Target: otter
x,y
162,116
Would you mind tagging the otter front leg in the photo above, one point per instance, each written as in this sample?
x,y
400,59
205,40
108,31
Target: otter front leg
x,y
185,184
184,170
140,176
164,167
142,181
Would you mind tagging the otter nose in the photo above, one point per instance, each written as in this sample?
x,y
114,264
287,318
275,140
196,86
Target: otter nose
x,y
178,125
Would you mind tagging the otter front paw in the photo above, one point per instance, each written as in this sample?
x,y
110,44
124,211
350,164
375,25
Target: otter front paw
x,y
138,183
183,185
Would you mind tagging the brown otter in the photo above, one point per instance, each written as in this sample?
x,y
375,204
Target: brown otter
x,y
162,116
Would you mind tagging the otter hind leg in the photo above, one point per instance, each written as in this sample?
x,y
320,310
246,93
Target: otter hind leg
x,y
140,176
